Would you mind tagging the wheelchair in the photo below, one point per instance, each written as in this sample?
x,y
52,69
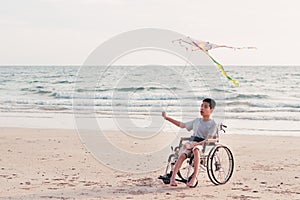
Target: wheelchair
x,y
215,158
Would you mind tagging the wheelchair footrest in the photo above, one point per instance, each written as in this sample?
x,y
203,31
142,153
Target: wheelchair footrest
x,y
166,178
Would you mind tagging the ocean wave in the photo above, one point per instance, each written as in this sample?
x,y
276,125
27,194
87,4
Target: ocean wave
x,y
123,96
238,103
266,110
275,105
36,90
43,92
54,108
241,104
248,96
34,81
36,102
59,95
264,118
63,82
221,91
28,90
126,89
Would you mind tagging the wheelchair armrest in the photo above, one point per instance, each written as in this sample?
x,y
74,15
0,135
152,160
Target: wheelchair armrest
x,y
211,140
183,139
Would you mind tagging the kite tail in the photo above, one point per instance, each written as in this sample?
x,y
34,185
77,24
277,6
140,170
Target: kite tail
x,y
235,48
234,81
240,48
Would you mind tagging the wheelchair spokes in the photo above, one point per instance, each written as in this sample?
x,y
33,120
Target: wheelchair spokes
x,y
220,164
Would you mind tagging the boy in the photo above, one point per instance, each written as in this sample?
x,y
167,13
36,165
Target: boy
x,y
203,128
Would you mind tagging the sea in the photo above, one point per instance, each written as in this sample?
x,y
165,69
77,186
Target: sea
x,y
267,101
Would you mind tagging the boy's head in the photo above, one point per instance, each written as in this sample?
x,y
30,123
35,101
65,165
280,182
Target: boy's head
x,y
207,107
211,102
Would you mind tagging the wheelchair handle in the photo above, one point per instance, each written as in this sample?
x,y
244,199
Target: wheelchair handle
x,y
222,127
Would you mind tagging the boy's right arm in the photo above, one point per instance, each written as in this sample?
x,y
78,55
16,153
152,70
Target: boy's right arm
x,y
173,121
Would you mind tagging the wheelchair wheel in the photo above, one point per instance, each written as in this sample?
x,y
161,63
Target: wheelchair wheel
x,y
220,164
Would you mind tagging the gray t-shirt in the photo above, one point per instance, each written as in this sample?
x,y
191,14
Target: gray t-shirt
x,y
202,128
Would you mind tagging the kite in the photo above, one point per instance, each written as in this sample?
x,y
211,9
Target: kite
x,y
205,47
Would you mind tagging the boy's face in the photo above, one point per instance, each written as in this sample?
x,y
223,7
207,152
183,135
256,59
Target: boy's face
x,y
205,109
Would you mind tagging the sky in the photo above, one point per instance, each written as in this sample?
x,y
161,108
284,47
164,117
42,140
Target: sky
x,y
65,32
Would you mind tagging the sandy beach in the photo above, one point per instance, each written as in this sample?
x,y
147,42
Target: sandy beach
x,y
53,164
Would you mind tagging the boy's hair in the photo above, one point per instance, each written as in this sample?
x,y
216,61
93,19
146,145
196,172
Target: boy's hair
x,y
212,103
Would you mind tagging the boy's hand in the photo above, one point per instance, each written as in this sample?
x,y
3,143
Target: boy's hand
x,y
188,146
164,115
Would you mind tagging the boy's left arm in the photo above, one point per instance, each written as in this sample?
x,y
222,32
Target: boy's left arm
x,y
210,137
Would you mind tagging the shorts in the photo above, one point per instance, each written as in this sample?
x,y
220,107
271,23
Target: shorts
x,y
188,152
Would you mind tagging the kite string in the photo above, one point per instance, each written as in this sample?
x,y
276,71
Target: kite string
x,y
186,62
185,65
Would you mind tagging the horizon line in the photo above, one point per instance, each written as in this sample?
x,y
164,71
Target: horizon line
x,y
77,65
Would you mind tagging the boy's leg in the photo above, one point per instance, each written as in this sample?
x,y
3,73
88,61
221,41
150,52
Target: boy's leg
x,y
193,181
178,164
